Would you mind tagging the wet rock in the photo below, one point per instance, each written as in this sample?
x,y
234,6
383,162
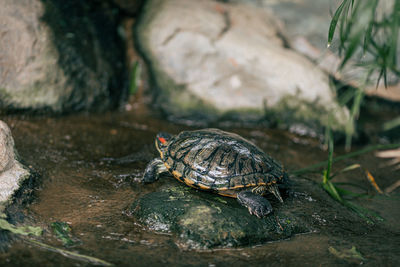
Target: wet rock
x,y
12,173
60,56
229,60
203,220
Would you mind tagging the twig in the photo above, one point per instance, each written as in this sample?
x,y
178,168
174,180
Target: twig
x,y
392,187
70,254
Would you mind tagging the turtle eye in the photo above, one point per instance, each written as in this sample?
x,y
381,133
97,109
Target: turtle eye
x,y
162,140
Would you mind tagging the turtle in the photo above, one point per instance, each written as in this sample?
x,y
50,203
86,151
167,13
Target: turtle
x,y
221,162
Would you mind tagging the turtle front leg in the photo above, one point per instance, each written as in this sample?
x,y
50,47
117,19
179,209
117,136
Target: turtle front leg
x,y
255,203
153,170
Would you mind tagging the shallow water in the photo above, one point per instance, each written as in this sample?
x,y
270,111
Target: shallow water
x,y
91,165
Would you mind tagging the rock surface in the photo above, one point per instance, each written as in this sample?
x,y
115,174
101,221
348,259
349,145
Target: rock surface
x,y
60,56
202,220
12,172
310,37
222,59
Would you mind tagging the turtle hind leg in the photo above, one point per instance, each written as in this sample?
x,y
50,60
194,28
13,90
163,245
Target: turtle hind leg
x,y
255,203
153,170
273,188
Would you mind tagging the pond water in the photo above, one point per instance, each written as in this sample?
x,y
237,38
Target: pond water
x,y
91,166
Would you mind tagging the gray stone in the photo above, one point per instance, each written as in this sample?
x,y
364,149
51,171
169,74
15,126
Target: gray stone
x,y
310,37
59,55
219,59
203,220
12,172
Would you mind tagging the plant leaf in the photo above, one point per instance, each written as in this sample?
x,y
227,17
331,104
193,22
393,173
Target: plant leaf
x,y
371,179
133,83
351,49
348,168
330,188
391,124
344,192
334,21
345,156
21,230
330,155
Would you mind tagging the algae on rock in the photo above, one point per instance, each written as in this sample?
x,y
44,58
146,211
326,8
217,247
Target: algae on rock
x,y
204,220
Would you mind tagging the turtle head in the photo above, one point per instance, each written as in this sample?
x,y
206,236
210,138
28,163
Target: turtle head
x,y
162,140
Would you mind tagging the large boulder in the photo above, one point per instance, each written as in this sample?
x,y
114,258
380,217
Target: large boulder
x,y
203,220
310,37
60,56
12,173
221,59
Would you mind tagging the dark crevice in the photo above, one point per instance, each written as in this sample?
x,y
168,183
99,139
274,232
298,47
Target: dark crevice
x,y
171,36
228,24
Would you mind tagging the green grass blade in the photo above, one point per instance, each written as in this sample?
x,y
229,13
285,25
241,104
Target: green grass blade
x,y
330,156
330,188
351,184
354,43
391,124
346,156
358,211
362,212
384,77
348,168
133,83
359,94
394,33
367,38
371,69
334,21
346,97
344,192
368,32
345,25
334,192
381,73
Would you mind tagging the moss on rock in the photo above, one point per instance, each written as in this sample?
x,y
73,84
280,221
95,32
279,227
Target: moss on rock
x,y
203,220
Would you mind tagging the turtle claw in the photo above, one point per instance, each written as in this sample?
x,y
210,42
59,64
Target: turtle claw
x,y
252,212
262,211
259,215
275,190
256,204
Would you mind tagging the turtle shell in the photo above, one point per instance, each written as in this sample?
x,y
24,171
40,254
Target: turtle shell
x,y
212,159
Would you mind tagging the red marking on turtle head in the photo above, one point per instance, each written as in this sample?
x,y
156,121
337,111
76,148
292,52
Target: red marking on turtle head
x,y
162,140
